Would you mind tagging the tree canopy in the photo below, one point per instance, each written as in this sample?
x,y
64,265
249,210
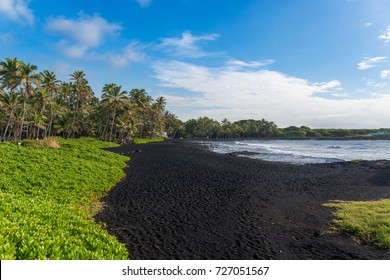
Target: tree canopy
x,y
37,105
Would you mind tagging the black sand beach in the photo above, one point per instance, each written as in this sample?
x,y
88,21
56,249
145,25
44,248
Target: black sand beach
x,y
181,202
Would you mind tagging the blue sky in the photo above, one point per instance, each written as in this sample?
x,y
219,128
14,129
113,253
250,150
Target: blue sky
x,y
306,62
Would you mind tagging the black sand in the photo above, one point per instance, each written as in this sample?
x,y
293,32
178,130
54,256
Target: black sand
x,y
181,202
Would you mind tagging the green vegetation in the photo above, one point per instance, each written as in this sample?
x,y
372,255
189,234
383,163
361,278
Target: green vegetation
x,y
148,140
356,160
209,128
206,127
46,190
368,220
304,132
37,105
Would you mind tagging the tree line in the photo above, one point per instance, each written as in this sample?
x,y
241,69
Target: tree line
x,y
205,127
37,105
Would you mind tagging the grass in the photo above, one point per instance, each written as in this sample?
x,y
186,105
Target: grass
x,y
45,189
356,160
367,220
148,140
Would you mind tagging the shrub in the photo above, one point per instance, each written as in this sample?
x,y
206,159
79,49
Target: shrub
x,y
43,192
147,140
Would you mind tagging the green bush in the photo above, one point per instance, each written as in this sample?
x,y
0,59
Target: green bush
x,y
147,140
356,160
43,192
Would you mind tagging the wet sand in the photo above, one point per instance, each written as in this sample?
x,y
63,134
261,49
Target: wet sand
x,y
179,201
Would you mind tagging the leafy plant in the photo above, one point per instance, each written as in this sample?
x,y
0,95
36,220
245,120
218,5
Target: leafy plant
x,y
43,192
147,140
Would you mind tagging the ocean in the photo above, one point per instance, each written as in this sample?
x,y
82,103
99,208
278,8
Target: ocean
x,y
304,151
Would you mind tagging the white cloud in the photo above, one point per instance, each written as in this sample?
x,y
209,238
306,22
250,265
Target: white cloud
x,y
385,74
17,10
186,46
235,63
325,87
370,62
385,35
341,95
286,100
144,3
82,37
368,24
374,84
81,34
131,53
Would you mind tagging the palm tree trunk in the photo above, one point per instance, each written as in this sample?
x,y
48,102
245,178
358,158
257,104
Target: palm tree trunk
x,y
104,130
48,130
30,132
141,131
6,129
24,110
51,115
75,113
112,123
22,120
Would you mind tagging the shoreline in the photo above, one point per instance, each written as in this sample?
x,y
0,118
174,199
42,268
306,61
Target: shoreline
x,y
275,138
179,201
249,153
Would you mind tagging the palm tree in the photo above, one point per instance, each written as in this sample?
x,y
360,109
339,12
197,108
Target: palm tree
x,y
27,78
172,124
8,70
157,120
9,102
125,127
226,128
83,94
113,97
17,117
64,125
51,85
31,101
38,122
142,102
40,99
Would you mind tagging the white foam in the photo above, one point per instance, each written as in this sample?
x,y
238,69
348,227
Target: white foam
x,y
305,151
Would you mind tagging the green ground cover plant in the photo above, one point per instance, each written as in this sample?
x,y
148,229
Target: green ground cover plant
x,y
148,140
44,194
367,220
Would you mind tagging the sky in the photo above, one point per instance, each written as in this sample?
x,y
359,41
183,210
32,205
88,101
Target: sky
x,y
323,64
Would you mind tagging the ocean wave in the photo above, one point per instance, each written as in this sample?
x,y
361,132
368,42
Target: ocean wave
x,y
310,151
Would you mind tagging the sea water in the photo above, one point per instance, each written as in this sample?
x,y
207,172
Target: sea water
x,y
305,151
